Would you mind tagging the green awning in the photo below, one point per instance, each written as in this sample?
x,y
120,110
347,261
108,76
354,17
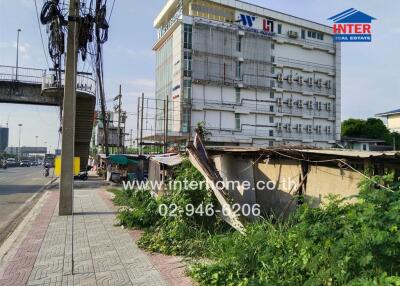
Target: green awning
x,y
122,160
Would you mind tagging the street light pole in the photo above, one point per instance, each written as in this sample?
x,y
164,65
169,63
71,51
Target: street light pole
x,y
16,69
36,137
19,143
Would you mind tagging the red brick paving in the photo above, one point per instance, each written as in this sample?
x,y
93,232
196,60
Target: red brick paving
x,y
19,268
171,268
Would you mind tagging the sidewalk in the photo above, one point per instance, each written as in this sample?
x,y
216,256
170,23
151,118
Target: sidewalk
x,y
86,249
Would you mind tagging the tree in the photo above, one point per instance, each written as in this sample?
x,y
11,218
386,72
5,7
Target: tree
x,y
372,128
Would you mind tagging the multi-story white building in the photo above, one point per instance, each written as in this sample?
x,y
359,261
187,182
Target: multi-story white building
x,y
254,76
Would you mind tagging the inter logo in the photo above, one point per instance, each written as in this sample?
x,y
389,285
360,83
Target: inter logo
x,y
352,26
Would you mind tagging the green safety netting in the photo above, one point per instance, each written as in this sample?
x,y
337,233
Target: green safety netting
x,y
122,160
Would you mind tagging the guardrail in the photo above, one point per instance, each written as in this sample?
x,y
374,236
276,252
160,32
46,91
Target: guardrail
x,y
21,74
40,77
83,83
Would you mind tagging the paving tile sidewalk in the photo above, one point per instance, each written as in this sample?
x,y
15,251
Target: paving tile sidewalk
x,y
84,249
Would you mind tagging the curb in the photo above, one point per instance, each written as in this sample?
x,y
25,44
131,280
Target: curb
x,y
21,215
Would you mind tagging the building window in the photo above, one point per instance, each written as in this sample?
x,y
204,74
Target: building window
x,y
187,69
187,36
271,133
187,89
239,70
237,92
315,35
239,43
272,70
272,46
271,108
271,119
303,34
272,59
271,94
279,28
364,147
237,122
271,143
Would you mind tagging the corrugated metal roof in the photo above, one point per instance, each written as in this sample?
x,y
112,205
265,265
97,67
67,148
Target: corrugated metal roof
x,y
169,160
302,149
393,112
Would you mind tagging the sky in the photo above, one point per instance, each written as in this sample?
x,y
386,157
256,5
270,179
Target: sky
x,y
370,71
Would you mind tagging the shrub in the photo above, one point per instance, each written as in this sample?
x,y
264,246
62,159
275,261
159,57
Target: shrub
x,y
336,245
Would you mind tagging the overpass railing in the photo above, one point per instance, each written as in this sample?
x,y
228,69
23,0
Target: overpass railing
x,y
21,74
83,83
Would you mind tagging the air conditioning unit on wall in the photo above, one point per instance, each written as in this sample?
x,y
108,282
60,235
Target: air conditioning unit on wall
x,y
310,81
300,80
290,79
292,34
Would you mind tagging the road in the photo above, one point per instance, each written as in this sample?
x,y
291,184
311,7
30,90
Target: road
x,y
17,188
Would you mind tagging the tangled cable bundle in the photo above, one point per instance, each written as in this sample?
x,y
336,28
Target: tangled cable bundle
x,y
93,29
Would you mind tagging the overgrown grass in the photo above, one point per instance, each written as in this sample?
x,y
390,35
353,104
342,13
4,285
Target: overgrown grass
x,y
339,244
176,235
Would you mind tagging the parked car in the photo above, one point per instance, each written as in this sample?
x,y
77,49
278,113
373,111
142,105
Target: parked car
x,y
25,163
11,162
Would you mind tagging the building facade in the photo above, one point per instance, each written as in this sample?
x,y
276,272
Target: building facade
x,y
254,76
4,133
393,119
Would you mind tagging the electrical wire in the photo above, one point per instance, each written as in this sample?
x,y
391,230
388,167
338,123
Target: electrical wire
x,y
41,35
111,12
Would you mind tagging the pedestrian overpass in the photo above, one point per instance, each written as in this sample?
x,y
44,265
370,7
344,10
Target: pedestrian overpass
x,y
36,87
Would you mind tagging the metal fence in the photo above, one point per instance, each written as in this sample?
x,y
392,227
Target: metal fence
x,y
21,74
39,76
83,83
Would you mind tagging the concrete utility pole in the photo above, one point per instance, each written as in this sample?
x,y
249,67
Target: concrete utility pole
x,y
166,125
68,120
141,125
119,98
138,125
131,140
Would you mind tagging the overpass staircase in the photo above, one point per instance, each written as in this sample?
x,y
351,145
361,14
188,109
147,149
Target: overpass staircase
x,y
36,87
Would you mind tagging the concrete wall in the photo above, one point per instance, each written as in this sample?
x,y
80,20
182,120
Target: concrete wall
x,y
279,172
285,174
323,181
233,168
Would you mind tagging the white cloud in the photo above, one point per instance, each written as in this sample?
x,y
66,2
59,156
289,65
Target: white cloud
x,y
142,84
139,53
5,45
27,3
24,49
